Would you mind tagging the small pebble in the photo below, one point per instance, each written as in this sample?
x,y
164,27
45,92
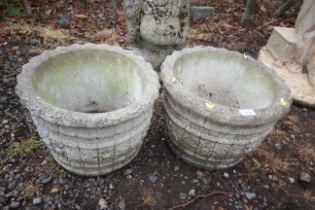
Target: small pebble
x,y
153,178
19,199
256,162
226,175
183,196
250,195
102,203
128,172
195,181
12,185
200,174
122,204
305,177
291,180
9,194
15,205
37,201
273,177
47,179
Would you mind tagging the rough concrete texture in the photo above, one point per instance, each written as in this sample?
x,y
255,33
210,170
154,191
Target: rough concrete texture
x,y
92,104
201,12
220,105
301,89
311,73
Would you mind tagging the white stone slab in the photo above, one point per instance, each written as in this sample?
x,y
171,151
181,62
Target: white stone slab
x,y
301,89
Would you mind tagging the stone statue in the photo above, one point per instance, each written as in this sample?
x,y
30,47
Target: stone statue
x,y
305,48
157,27
290,52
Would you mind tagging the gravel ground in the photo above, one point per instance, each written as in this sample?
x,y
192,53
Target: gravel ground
x,y
280,175
275,177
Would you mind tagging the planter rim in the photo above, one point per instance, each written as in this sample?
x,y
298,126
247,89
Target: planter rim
x,y
54,114
217,112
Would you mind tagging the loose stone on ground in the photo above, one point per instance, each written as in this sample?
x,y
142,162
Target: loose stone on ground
x,y
201,12
37,201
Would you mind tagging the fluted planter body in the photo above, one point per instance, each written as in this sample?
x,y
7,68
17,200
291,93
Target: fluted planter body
x,y
220,105
92,105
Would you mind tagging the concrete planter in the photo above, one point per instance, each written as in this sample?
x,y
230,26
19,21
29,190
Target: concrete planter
x,y
220,105
92,105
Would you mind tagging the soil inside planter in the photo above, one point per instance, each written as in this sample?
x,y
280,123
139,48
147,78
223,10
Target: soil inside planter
x,y
226,79
90,81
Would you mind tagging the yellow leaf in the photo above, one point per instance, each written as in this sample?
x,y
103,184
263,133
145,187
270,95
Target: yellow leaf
x,y
54,190
209,105
173,79
283,102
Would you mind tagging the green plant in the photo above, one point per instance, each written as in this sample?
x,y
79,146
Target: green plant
x,y
211,28
28,146
214,27
84,3
12,10
62,20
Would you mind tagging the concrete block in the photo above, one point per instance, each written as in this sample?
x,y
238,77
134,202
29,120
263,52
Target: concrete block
x,y
201,12
282,43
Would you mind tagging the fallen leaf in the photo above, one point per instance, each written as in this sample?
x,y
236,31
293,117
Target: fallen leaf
x,y
192,193
225,24
54,189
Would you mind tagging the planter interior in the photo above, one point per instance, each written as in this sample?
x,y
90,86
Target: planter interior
x,y
225,79
90,81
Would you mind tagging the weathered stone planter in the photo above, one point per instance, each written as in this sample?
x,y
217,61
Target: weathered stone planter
x,y
220,105
92,104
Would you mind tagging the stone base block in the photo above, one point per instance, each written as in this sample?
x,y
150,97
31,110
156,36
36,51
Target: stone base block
x,y
301,89
281,43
